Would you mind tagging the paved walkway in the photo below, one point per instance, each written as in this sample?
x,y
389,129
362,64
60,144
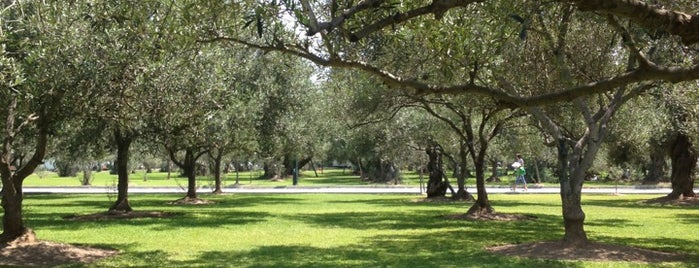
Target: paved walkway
x,y
347,189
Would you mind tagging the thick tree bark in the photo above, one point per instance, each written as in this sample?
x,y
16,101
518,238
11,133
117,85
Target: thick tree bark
x,y
684,161
289,164
571,189
436,187
573,218
12,221
657,165
12,192
123,143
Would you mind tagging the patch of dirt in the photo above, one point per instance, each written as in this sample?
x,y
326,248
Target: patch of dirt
x,y
491,217
109,215
28,252
682,201
191,201
440,199
558,250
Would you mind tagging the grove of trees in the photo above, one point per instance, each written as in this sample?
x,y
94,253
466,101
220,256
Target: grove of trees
x,y
582,87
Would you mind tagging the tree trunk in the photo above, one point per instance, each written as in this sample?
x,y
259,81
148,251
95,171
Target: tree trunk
x,y
123,143
684,161
189,168
12,222
494,171
289,165
482,205
436,187
12,192
573,219
462,193
190,173
657,165
217,158
571,189
536,171
271,171
87,176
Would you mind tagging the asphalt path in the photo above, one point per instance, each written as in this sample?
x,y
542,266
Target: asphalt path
x,y
339,190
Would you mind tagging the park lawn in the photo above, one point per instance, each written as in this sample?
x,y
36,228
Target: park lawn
x,y
327,178
352,230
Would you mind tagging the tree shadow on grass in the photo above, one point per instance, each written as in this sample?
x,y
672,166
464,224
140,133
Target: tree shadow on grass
x,y
426,250
688,248
689,218
175,220
625,203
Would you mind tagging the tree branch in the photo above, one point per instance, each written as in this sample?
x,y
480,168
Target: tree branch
x,y
500,95
648,16
437,7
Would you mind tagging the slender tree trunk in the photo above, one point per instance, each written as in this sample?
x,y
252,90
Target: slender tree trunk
x,y
482,204
315,172
123,143
684,161
494,171
87,176
189,168
462,193
536,170
190,173
217,172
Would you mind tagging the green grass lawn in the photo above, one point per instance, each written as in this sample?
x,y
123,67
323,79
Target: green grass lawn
x,y
348,230
329,177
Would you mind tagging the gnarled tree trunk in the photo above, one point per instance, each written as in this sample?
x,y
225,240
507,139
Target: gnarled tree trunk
x,y
12,192
657,165
684,161
436,187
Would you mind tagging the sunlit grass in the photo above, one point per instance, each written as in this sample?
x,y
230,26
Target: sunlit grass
x,y
326,178
348,230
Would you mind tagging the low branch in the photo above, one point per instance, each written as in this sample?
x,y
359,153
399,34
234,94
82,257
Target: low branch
x,y
500,95
648,16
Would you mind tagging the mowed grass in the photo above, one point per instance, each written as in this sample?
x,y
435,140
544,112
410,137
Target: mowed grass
x,y
139,178
326,178
351,230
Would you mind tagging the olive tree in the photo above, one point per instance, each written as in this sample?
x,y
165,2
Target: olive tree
x,y
338,33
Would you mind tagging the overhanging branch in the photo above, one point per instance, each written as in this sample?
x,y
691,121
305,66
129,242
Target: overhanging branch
x,y
500,95
648,16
